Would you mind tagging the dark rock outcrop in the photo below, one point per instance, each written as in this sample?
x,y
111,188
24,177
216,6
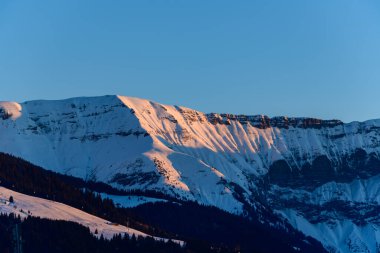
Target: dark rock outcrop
x,y
263,121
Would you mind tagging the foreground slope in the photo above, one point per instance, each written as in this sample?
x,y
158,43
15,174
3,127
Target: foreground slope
x,y
294,166
25,205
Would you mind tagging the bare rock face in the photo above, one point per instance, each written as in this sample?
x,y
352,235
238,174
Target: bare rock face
x,y
263,121
5,114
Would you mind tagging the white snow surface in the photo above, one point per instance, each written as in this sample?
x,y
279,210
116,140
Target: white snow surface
x,y
25,205
338,236
123,141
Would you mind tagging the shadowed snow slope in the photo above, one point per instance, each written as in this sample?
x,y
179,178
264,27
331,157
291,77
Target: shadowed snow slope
x,y
229,161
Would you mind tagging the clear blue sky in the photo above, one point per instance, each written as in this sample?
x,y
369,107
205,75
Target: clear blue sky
x,y
296,58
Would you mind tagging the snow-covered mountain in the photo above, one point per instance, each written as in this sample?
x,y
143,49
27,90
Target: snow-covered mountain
x,y
321,176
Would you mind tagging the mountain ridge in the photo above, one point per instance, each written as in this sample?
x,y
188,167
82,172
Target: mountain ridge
x,y
207,113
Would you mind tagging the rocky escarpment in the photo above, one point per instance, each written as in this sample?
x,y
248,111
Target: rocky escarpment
x,y
321,170
263,121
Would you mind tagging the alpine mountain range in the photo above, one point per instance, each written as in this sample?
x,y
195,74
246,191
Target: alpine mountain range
x,y
319,177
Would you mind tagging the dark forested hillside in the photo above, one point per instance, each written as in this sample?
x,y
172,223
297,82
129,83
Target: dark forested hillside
x,y
47,236
6,227
221,228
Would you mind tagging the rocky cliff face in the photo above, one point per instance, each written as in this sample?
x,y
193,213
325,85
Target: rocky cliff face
x,y
263,121
319,175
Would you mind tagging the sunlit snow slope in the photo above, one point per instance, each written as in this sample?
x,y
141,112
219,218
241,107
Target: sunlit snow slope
x,y
229,161
25,205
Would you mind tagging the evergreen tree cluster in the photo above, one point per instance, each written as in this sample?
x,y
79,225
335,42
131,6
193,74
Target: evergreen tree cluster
x,y
212,225
6,227
48,236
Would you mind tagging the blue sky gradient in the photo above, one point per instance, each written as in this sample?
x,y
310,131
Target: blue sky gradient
x,y
296,58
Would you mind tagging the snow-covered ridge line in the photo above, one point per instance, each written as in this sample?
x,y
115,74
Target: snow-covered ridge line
x,y
262,121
